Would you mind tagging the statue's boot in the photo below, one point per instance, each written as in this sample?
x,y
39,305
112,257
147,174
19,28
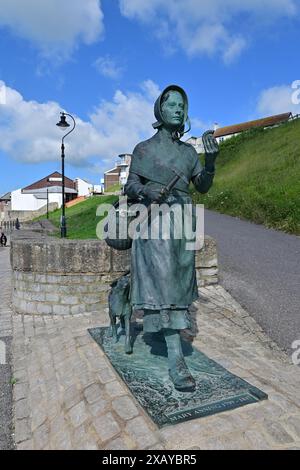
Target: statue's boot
x,y
178,370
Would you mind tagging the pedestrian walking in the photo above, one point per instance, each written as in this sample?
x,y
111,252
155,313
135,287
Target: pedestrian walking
x,y
3,239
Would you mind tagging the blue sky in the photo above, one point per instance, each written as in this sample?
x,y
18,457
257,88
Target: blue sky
x,y
106,61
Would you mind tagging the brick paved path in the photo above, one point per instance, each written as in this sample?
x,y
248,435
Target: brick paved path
x,y
6,441
67,395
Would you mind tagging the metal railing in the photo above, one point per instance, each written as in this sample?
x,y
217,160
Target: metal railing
x,y
9,225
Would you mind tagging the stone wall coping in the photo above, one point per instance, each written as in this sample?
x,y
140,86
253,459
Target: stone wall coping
x,y
36,252
38,236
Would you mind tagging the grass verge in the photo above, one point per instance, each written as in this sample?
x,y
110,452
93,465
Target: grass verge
x,y
258,178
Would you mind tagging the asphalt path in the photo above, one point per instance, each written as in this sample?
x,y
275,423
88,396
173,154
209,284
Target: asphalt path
x,y
6,438
261,269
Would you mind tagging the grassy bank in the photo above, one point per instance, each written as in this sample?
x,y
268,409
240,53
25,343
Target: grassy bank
x,y
258,178
81,218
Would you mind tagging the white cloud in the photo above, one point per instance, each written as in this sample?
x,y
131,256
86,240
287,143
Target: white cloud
x,y
234,49
107,67
206,27
151,89
279,99
199,126
28,132
54,26
126,120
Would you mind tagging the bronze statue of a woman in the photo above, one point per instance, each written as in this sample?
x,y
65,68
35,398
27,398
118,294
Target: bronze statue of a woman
x,y
163,277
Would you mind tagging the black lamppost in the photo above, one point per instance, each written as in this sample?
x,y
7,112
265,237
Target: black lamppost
x,y
47,203
63,124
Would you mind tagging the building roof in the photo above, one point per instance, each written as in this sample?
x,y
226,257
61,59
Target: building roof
x,y
245,126
5,197
82,179
113,171
41,193
45,183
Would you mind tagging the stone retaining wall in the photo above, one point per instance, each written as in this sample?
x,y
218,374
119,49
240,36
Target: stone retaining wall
x,y
53,276
26,216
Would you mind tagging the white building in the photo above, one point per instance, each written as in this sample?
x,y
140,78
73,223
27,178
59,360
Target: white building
x,y
224,133
27,202
124,167
83,187
98,188
197,143
36,195
118,174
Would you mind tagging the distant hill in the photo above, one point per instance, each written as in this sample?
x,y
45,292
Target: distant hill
x,y
258,178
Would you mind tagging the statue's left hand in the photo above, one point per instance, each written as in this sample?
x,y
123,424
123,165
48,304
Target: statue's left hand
x,y
211,148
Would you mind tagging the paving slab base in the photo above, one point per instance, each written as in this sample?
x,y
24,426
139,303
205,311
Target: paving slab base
x,y
67,395
145,372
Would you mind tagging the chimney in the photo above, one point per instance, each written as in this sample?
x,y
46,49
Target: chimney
x,y
216,126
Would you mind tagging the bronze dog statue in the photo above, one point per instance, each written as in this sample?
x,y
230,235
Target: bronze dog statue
x,y
119,306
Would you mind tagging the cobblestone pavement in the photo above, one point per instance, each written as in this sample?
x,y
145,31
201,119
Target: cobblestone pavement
x,y
6,441
67,396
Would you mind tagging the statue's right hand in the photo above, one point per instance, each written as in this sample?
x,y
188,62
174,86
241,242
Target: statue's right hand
x,y
153,195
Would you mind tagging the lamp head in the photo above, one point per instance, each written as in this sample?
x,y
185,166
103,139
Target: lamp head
x,y
63,124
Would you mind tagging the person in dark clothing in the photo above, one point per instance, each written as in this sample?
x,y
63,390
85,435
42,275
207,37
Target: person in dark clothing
x,y
3,239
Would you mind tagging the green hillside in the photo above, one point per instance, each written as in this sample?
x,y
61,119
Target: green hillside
x,y
258,178
81,218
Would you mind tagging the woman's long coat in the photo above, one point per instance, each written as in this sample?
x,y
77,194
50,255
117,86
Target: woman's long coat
x,y
163,271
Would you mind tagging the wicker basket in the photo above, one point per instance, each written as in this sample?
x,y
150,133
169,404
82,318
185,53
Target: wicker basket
x,y
120,244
